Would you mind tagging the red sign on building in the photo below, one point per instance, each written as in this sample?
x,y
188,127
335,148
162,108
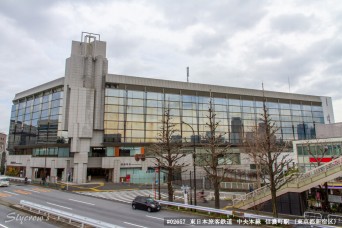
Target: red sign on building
x,y
320,160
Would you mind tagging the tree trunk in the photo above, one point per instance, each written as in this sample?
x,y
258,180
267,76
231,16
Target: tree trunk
x,y
258,175
169,185
274,196
326,197
217,193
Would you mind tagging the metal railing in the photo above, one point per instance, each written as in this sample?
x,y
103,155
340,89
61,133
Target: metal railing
x,y
18,179
238,185
300,181
223,195
199,208
70,217
312,215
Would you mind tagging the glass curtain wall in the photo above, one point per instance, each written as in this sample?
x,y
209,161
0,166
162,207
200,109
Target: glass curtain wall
x,y
136,116
36,119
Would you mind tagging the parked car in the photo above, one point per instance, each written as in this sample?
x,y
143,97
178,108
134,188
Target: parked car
x,y
145,203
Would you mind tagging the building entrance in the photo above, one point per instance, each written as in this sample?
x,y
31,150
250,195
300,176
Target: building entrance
x,y
96,173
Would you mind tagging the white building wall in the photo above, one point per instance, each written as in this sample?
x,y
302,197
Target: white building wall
x,y
329,130
328,110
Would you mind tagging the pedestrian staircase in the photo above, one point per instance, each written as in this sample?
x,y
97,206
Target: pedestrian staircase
x,y
301,183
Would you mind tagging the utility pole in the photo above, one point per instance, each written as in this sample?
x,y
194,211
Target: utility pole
x,y
159,182
194,160
190,188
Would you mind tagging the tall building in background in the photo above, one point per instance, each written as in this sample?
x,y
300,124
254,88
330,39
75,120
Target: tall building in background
x,y
92,123
3,138
236,130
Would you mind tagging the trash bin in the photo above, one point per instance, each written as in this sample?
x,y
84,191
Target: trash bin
x,y
89,178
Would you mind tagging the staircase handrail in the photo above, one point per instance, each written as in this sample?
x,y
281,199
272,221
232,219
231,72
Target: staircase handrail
x,y
301,177
320,169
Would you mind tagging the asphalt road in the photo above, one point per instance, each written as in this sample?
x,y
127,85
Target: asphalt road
x,y
116,213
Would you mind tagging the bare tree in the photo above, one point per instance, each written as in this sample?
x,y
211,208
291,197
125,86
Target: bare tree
x,y
271,155
217,154
250,145
167,151
317,150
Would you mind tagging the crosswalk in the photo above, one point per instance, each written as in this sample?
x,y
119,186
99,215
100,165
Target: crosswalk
x,y
125,196
24,191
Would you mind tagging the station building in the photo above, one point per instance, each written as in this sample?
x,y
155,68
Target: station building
x,y
327,146
92,123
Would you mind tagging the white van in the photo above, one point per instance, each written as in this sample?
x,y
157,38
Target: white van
x,y
4,181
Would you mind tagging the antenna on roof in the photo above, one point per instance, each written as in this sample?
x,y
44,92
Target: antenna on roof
x,y
187,74
88,37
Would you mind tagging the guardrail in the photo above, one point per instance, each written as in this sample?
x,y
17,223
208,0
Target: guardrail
x,y
18,179
224,195
36,181
200,208
312,215
70,217
238,185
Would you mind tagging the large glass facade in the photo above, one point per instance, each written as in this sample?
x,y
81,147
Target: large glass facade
x,y
36,119
135,116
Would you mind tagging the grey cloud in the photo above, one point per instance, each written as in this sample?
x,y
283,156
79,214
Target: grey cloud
x,y
28,15
223,15
334,69
122,46
290,64
332,49
207,44
271,50
292,23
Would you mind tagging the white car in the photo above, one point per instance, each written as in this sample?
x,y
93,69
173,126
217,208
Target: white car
x,y
4,181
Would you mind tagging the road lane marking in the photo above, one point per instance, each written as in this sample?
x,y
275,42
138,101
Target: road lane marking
x,y
82,202
12,193
59,206
31,190
4,194
22,192
42,190
3,226
134,225
154,217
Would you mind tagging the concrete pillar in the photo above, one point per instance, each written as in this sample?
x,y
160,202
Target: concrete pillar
x,y
80,172
113,176
53,171
116,171
28,170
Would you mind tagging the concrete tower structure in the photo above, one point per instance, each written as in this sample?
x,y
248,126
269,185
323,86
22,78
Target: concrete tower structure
x,y
84,99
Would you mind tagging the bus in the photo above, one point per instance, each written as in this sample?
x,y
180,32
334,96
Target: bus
x,y
4,181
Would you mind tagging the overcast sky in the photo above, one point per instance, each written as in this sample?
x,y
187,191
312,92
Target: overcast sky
x,y
224,42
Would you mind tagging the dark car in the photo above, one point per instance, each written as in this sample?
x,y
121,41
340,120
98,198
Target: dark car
x,y
145,203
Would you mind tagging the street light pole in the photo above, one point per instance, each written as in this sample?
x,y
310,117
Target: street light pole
x,y
194,160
